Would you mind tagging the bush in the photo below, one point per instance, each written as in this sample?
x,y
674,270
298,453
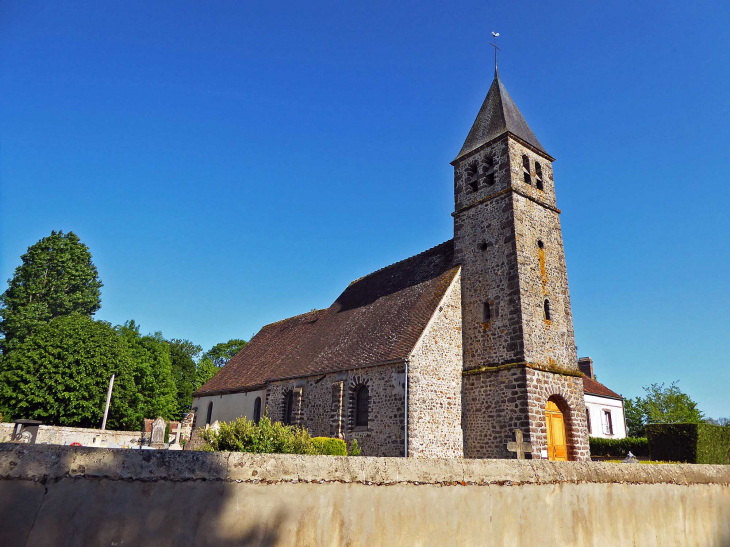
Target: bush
x,y
243,435
355,448
638,446
691,443
329,447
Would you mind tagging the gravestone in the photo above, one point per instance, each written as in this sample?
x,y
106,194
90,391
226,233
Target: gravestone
x,y
158,433
519,446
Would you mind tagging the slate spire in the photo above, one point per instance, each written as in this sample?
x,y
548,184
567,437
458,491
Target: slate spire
x,y
498,115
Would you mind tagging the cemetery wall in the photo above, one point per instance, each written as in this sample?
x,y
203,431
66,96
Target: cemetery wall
x,y
54,495
54,434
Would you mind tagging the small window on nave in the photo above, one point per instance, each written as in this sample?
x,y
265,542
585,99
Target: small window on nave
x,y
257,410
546,309
362,398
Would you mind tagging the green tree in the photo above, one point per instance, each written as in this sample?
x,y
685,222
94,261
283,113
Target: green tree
x,y
204,371
152,370
60,373
57,277
660,405
184,355
221,353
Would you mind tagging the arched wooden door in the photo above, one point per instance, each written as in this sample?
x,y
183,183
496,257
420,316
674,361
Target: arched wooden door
x,y
557,445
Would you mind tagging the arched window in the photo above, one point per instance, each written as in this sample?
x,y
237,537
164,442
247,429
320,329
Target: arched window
x,y
288,407
210,413
526,169
257,410
361,406
546,308
538,176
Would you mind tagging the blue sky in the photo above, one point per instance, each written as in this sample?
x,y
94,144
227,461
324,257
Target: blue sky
x,y
234,163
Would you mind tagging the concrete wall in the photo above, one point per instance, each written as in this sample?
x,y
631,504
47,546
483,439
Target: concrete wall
x,y
596,405
227,408
52,495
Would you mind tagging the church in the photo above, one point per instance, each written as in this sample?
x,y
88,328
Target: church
x,y
449,352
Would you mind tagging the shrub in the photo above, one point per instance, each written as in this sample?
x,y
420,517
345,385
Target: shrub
x,y
691,443
638,446
329,447
355,448
244,435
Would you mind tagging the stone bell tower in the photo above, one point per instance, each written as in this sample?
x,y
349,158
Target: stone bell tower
x,y
518,342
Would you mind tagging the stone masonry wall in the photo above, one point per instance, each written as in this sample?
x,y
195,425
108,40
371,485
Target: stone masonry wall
x,y
508,240
494,404
542,270
484,245
325,406
434,383
567,392
497,402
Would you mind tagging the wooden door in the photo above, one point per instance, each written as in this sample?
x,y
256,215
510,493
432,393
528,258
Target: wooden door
x,y
557,445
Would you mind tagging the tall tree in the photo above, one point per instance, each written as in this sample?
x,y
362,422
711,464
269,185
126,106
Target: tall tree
x,y
662,405
215,358
221,353
152,371
57,277
60,373
184,355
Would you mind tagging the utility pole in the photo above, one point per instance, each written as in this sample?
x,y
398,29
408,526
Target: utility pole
x,y
108,400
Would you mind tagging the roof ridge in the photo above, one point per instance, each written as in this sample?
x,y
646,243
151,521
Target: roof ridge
x,y
292,317
400,261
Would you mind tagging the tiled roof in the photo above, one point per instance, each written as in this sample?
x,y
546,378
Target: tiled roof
x,y
592,387
377,319
498,115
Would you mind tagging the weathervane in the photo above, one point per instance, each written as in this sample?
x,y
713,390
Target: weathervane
x,y
494,45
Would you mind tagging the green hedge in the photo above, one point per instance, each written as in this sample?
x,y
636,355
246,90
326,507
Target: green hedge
x,y
691,443
243,435
618,448
329,447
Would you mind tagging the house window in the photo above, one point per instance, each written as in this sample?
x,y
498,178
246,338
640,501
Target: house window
x,y
486,313
546,309
288,407
362,396
588,421
538,176
257,410
526,169
210,413
607,423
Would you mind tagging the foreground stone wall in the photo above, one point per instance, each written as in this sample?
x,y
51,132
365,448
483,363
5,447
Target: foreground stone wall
x,y
51,495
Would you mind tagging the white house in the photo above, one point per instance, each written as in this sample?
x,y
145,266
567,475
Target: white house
x,y
604,408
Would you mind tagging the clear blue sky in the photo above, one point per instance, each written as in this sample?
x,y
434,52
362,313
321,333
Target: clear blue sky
x,y
235,163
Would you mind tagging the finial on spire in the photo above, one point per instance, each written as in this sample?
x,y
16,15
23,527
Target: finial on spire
x,y
494,45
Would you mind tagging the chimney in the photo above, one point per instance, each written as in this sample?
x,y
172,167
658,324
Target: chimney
x,y
585,364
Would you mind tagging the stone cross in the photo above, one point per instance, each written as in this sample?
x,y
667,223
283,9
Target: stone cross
x,y
519,446
175,438
158,433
